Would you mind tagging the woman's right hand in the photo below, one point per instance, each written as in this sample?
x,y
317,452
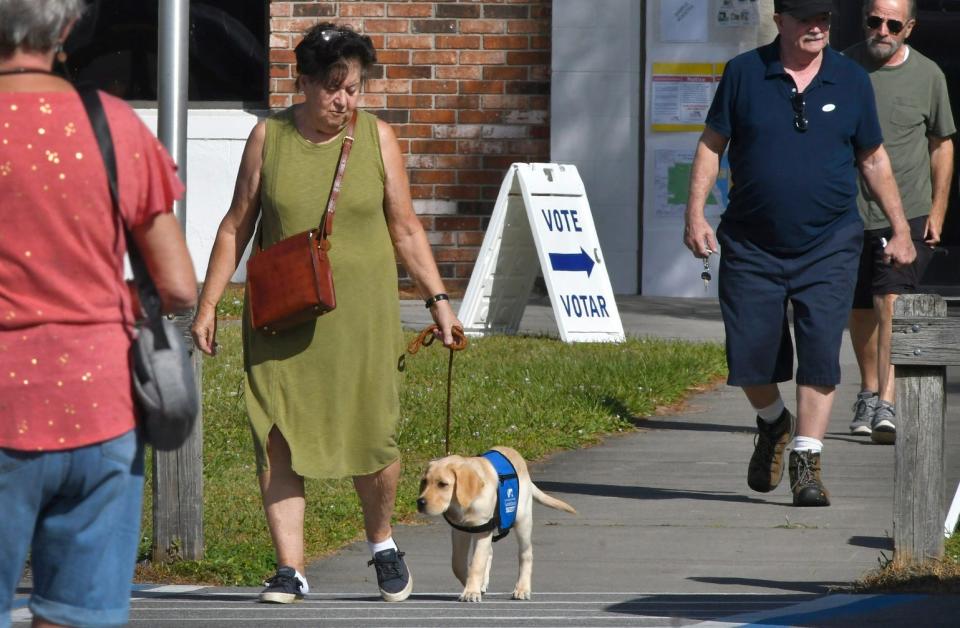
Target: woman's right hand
x,y
204,330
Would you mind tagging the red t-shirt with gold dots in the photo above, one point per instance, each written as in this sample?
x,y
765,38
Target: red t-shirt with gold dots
x,y
65,313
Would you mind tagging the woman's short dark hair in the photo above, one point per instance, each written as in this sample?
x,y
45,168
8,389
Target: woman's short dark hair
x,y
326,48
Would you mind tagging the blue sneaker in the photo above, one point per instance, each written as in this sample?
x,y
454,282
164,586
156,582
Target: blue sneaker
x,y
393,577
283,588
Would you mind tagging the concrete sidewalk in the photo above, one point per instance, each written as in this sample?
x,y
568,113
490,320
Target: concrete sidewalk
x,y
668,533
666,509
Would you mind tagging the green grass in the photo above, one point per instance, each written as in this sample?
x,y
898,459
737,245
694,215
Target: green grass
x,y
538,395
931,576
230,306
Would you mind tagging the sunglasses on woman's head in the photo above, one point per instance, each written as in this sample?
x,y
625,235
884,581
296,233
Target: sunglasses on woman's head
x,y
330,34
875,21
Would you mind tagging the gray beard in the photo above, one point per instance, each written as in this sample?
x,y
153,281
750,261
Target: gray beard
x,y
882,53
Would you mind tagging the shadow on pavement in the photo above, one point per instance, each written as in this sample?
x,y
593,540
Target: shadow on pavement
x,y
253,598
642,492
705,607
850,438
802,587
872,542
691,426
615,406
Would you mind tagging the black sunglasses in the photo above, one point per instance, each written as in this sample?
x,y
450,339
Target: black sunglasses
x,y
875,21
800,122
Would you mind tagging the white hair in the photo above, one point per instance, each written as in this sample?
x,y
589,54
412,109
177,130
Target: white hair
x,y
35,25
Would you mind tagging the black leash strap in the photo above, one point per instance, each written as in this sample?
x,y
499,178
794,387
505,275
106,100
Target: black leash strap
x,y
425,339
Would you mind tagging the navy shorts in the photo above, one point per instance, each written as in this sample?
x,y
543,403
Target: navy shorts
x,y
875,277
755,287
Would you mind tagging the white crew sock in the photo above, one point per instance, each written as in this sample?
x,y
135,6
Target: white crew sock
x,y
772,412
805,443
304,587
382,545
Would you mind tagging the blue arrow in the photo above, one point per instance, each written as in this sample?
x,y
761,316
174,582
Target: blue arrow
x,y
572,261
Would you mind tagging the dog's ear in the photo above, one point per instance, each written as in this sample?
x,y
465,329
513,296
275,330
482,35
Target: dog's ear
x,y
469,484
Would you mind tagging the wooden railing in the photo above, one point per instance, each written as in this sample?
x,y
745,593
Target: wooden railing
x,y
924,343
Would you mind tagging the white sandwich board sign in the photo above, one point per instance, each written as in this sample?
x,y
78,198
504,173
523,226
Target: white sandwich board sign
x,y
542,222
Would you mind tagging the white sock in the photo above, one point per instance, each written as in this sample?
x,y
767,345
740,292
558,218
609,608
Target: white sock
x,y
382,545
805,443
304,587
772,412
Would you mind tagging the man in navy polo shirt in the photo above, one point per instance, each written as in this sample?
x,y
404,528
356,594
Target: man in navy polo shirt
x,y
800,120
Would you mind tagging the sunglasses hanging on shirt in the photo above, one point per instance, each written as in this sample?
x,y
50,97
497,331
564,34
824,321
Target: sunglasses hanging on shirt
x,y
800,122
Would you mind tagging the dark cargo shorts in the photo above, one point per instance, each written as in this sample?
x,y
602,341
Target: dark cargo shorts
x,y
875,277
755,287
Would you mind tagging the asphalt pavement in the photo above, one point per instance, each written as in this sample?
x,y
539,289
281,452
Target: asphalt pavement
x,y
667,533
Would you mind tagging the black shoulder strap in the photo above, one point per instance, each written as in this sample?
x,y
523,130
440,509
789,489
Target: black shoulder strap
x,y
149,297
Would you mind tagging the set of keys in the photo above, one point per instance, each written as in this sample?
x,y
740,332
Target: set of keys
x,y
705,275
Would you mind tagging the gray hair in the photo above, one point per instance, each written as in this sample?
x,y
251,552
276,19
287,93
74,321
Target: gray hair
x,y
868,6
35,25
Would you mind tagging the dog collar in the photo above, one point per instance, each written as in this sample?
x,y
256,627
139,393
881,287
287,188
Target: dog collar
x,y
508,491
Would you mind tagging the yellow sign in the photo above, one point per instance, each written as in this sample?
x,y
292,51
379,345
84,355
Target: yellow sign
x,y
681,94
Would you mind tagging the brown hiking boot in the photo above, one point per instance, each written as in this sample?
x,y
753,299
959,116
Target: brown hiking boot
x,y
766,463
805,481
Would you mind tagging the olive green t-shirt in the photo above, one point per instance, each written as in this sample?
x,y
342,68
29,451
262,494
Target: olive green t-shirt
x,y
912,104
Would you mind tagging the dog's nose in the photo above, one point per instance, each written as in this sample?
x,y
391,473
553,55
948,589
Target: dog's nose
x,y
421,504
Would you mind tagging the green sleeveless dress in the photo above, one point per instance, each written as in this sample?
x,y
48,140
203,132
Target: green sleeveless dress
x,y
329,385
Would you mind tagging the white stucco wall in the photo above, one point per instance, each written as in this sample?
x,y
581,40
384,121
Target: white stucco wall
x,y
215,140
595,99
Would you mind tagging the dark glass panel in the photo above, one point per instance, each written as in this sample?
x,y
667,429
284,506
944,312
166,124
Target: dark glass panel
x,y
115,47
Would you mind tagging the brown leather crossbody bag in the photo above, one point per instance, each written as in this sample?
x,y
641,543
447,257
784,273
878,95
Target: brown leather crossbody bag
x,y
291,282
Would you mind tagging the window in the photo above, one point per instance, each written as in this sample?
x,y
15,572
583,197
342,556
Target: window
x,y
114,47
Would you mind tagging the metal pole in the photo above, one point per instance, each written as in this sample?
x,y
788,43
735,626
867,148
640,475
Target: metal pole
x,y
177,475
173,56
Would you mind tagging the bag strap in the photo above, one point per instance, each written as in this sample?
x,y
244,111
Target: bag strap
x,y
326,220
147,290
326,223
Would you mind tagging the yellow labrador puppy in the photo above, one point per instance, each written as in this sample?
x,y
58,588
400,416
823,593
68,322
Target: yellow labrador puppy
x,y
468,493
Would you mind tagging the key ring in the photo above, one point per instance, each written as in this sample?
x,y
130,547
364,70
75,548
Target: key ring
x,y
706,276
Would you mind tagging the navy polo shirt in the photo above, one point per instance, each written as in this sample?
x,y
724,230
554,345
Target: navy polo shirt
x,y
790,190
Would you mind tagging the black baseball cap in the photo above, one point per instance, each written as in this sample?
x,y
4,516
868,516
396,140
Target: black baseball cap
x,y
802,9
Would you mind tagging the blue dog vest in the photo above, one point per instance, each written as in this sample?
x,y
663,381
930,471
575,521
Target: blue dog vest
x,y
508,494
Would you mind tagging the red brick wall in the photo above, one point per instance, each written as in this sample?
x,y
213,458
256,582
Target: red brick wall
x,y
466,87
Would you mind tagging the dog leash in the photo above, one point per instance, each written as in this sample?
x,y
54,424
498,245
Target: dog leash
x,y
425,339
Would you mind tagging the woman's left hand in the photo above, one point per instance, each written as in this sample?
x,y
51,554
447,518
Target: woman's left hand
x,y
446,320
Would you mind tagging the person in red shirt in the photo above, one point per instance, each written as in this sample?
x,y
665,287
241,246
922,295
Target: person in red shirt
x,y
71,461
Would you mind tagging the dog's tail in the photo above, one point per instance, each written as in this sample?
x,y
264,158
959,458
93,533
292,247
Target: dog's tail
x,y
548,500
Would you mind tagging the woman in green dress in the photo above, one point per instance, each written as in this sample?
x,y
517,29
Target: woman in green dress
x,y
322,397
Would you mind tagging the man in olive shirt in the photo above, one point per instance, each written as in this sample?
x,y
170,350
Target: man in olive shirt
x,y
917,125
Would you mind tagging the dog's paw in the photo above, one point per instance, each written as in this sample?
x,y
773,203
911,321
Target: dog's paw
x,y
521,594
470,596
